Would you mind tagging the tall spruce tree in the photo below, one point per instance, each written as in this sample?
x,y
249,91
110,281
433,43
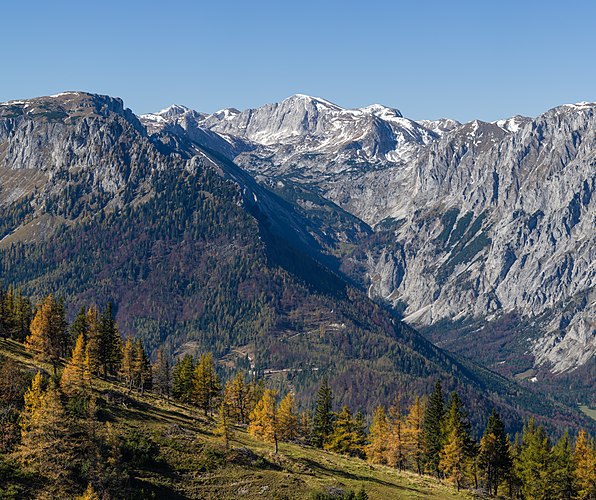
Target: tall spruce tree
x,y
110,344
563,468
433,429
322,422
79,325
494,458
182,378
536,463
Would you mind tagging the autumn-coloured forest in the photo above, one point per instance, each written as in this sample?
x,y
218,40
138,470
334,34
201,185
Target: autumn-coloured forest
x,y
53,428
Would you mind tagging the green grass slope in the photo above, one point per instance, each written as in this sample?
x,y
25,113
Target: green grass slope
x,y
188,459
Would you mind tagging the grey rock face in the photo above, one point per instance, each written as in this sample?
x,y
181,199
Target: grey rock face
x,y
72,138
492,221
488,218
306,138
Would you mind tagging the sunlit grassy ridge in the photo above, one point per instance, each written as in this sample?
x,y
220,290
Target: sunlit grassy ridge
x,y
188,459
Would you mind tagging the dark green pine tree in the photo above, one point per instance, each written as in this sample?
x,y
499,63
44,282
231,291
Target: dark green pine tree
x,y
110,345
433,429
536,463
494,458
182,378
563,469
322,422
80,325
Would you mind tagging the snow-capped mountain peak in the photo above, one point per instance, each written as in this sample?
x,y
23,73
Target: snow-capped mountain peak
x,y
513,124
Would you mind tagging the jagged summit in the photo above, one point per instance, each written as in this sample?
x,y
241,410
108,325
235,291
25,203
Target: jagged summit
x,y
68,106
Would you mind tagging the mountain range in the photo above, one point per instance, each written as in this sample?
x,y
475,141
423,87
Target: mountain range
x,y
302,237
485,220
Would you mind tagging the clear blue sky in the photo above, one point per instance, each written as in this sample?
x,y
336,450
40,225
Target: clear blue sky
x,y
461,59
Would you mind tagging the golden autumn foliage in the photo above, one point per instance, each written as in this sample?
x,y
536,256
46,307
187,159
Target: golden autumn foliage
x,y
453,458
206,383
287,419
89,494
44,445
263,419
76,377
584,456
47,339
376,451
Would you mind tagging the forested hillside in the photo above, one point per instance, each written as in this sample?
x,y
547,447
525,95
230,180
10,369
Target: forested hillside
x,y
195,256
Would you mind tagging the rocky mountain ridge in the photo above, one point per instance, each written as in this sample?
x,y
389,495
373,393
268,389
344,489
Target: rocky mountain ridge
x,y
486,219
472,222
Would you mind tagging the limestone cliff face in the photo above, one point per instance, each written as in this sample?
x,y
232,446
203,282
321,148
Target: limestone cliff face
x,y
72,140
494,222
487,218
473,221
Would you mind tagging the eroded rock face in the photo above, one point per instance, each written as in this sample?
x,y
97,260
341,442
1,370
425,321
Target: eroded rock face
x,y
495,222
487,218
477,220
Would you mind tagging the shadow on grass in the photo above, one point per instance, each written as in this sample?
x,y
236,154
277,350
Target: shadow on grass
x,y
142,489
336,472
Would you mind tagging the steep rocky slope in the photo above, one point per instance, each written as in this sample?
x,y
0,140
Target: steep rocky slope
x,y
480,222
197,256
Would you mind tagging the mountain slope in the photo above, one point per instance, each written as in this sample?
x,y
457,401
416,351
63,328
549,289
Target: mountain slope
x,y
196,255
479,221
177,454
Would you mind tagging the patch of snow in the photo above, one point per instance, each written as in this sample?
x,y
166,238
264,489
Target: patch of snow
x,y
65,93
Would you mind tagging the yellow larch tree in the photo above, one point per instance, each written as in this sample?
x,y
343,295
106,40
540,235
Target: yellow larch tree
x,y
263,419
33,398
287,419
453,458
378,437
584,456
47,339
413,436
76,377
